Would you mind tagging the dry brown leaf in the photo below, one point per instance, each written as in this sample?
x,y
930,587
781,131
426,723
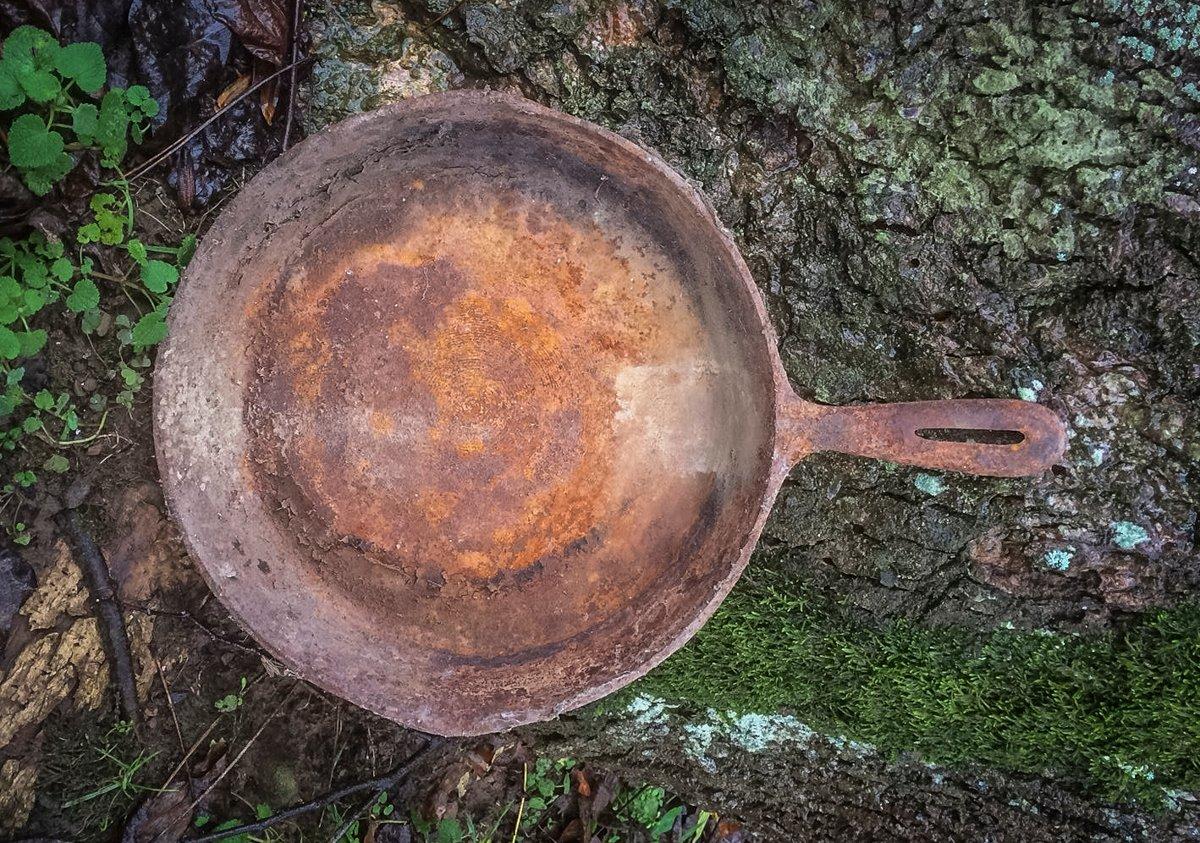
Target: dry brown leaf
x,y
729,831
234,90
268,95
582,785
572,833
162,817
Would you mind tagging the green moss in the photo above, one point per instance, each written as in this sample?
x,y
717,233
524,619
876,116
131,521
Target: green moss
x,y
1090,707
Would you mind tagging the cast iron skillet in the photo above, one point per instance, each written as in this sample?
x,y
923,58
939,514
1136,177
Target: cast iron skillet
x,y
471,412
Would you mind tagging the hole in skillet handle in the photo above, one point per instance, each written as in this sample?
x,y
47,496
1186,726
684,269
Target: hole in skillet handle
x,y
972,435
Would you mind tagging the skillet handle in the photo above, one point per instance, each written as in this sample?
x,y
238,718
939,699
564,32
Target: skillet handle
x,y
998,437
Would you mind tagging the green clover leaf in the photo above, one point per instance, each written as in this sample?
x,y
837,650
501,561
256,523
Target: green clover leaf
x,y
112,126
139,97
10,346
84,296
12,95
31,342
31,143
62,269
40,85
41,180
150,329
90,321
84,120
28,46
31,302
82,63
158,275
137,251
89,233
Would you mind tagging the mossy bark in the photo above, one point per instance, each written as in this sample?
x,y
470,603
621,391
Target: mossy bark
x,y
939,200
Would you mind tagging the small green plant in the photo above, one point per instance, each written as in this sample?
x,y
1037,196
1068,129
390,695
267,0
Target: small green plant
x,y
51,82
456,830
203,822
54,108
119,786
18,533
380,810
234,701
644,807
546,780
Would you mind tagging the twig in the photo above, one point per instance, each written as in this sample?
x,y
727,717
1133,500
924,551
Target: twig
x,y
67,443
185,615
353,817
189,753
162,677
291,108
382,784
244,749
166,153
111,622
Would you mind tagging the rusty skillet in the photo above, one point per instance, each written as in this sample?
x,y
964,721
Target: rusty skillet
x,y
471,412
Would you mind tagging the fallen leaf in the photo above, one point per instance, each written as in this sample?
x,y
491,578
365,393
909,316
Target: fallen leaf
x,y
604,794
729,831
268,96
233,90
263,26
162,817
582,786
572,833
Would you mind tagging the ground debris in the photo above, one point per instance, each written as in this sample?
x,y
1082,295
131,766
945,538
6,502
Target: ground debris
x,y
55,657
186,54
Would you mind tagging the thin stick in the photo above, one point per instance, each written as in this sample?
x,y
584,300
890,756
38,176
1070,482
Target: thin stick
x,y
189,753
243,750
381,784
287,125
194,621
111,621
154,161
353,817
162,677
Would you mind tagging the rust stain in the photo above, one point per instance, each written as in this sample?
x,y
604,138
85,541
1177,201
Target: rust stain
x,y
453,401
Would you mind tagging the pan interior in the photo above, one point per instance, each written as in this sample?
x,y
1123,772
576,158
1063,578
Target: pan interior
x,y
508,408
